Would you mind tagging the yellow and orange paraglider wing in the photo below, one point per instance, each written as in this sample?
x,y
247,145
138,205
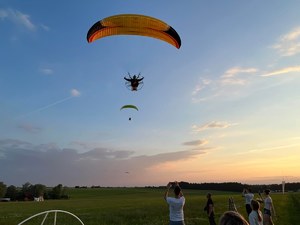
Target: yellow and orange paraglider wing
x,y
133,24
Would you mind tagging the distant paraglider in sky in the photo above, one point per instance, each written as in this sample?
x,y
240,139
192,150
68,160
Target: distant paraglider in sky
x,y
134,82
134,24
129,107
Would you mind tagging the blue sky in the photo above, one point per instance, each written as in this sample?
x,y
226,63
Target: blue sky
x,y
223,107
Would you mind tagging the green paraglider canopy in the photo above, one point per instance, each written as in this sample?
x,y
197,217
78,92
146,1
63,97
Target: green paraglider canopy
x,y
129,107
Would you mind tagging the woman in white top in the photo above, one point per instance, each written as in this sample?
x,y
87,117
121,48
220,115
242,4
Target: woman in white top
x,y
175,204
255,217
269,210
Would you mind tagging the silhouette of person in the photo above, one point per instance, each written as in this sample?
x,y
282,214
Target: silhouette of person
x,y
209,208
134,81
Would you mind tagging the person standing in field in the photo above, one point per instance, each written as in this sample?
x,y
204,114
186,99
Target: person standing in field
x,y
232,218
255,217
269,210
248,195
175,203
209,208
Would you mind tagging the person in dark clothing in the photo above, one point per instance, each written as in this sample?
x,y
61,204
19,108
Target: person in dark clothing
x,y
209,208
134,81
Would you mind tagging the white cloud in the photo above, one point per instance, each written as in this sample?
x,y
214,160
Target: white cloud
x,y
211,89
289,44
212,125
47,71
17,17
205,98
232,72
272,148
75,93
197,89
230,76
29,128
291,69
44,27
235,81
196,143
24,20
203,83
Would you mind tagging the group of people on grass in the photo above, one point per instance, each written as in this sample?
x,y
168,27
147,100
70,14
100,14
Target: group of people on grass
x,y
255,216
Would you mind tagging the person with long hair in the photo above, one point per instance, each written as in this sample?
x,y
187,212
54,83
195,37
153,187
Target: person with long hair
x,y
269,210
232,218
175,203
255,217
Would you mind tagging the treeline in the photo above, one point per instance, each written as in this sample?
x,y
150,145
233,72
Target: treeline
x,y
30,192
238,187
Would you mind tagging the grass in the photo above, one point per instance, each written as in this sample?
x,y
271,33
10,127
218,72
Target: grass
x,y
138,206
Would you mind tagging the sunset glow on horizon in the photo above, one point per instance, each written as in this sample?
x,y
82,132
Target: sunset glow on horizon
x,y
223,108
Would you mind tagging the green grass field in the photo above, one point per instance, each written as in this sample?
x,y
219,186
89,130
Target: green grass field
x,y
138,206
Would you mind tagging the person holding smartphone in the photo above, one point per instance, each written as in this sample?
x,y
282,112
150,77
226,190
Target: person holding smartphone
x,y
175,203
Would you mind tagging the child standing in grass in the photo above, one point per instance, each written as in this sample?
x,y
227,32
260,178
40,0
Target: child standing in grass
x,y
255,217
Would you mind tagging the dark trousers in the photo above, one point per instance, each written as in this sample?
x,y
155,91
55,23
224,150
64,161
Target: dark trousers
x,y
248,208
211,219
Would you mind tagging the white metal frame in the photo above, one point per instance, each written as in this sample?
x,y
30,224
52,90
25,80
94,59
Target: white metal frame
x,y
55,211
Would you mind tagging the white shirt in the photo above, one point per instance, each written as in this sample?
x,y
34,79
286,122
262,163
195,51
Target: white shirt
x,y
253,218
176,208
248,197
268,203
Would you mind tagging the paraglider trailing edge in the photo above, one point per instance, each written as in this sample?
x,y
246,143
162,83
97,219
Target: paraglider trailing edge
x,y
134,24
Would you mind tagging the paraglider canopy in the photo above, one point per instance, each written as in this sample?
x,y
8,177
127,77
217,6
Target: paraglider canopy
x,y
134,24
129,107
